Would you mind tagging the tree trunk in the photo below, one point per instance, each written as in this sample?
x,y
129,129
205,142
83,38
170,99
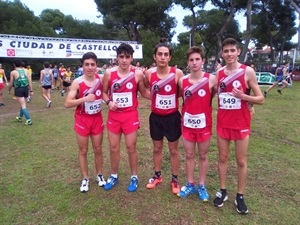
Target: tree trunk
x,y
248,31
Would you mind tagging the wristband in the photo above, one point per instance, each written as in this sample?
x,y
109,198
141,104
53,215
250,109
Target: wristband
x,y
31,91
108,101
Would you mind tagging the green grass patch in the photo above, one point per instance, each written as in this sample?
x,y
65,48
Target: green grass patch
x,y
40,174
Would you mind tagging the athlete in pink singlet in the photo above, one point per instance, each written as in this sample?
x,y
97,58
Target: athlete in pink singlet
x,y
120,87
197,90
165,118
235,82
86,95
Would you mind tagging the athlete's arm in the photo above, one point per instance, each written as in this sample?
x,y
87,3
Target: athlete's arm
x,y
147,78
213,84
71,100
111,105
141,84
179,74
180,87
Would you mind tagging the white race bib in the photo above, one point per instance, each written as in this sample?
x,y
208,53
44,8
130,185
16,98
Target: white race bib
x,y
93,107
194,121
1,80
124,100
229,102
165,101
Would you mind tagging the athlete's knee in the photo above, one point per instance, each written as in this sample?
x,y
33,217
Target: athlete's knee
x,y
241,163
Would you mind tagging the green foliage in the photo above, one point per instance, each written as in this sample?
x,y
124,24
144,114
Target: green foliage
x,y
136,15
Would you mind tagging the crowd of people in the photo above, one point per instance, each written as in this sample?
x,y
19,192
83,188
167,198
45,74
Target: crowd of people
x,y
162,85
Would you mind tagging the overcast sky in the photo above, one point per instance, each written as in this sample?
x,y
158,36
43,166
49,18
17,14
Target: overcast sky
x,y
86,10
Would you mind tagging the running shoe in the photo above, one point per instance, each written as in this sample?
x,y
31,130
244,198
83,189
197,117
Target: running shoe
x,y
28,122
62,93
279,91
220,199
153,182
203,195
186,190
175,186
28,99
2,104
19,119
48,104
110,183
240,205
100,179
132,187
84,185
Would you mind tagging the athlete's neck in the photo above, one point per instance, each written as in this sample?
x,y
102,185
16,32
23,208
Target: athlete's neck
x,y
123,71
196,75
231,68
162,71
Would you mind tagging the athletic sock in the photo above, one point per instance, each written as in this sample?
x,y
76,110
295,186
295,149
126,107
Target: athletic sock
x,y
157,173
26,114
21,113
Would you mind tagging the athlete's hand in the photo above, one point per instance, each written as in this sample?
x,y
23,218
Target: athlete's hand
x,y
90,97
113,105
238,92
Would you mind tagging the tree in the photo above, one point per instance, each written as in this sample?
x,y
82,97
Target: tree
x,y
16,18
136,15
273,27
191,5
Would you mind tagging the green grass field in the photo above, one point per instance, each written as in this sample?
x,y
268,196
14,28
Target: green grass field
x,y
40,174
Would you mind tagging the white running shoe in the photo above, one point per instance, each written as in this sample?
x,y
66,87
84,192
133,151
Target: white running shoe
x,y
101,181
84,185
48,104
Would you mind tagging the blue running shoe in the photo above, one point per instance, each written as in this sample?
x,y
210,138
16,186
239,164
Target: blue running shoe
x,y
132,187
203,195
110,183
187,190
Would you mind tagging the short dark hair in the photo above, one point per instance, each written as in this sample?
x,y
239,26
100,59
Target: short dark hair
x,y
88,55
46,64
194,49
17,63
230,41
125,48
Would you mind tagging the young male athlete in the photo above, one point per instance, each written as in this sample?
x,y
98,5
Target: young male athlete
x,y
86,95
120,87
197,90
165,118
19,78
235,82
47,83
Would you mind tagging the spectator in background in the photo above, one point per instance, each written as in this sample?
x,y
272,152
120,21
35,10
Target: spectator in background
x,y
55,76
281,74
47,83
2,84
19,78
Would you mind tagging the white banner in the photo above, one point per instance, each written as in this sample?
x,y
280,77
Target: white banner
x,y
19,46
